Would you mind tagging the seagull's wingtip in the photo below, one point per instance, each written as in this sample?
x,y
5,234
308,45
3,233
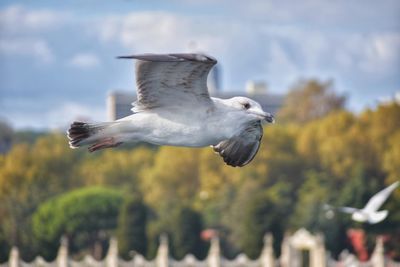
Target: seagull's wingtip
x,y
124,57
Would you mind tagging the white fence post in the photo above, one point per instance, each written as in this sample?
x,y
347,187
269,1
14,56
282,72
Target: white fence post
x,y
318,252
14,257
162,253
214,253
62,255
267,255
290,257
112,254
285,252
378,257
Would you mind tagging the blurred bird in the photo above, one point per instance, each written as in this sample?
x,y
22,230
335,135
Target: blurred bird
x,y
370,212
174,108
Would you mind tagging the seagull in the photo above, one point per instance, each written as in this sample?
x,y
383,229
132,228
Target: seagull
x,y
174,108
370,212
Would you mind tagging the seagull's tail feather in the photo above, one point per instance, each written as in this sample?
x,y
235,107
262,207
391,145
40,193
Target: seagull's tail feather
x,y
81,134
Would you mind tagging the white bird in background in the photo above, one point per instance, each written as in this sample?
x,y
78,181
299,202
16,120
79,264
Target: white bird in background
x,y
370,212
174,108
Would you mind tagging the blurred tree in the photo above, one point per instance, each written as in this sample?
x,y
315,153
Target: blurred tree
x,y
380,125
390,226
391,159
336,144
29,175
217,185
167,186
317,131
186,234
310,100
131,230
4,247
259,210
117,168
173,178
392,167
318,190
312,196
28,136
85,216
279,158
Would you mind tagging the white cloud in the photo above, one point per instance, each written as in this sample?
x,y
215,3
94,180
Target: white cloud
x,y
85,61
381,53
28,47
337,14
53,117
277,52
21,30
280,62
70,111
18,19
157,32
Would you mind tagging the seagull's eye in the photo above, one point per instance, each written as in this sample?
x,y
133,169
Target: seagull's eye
x,y
246,105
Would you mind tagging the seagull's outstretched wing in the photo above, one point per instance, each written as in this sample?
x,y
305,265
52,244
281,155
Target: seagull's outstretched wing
x,y
377,216
240,150
171,80
379,198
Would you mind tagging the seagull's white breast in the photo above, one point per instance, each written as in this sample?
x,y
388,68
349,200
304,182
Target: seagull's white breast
x,y
193,128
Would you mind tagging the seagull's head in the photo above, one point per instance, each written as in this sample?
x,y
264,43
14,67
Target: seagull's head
x,y
250,109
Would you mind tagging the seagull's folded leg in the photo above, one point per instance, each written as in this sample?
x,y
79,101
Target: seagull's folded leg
x,y
104,143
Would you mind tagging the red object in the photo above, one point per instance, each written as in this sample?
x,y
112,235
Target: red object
x,y
357,240
208,234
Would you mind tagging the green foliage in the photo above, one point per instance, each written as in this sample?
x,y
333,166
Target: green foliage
x,y
4,247
258,210
131,230
117,168
28,136
29,174
311,214
310,100
185,234
84,216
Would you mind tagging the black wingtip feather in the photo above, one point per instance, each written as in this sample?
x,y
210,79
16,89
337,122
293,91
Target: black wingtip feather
x,y
77,132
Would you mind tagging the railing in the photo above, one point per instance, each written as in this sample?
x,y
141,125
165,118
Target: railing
x,y
162,259
290,257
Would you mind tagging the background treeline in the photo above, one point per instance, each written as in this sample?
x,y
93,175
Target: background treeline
x,y
316,153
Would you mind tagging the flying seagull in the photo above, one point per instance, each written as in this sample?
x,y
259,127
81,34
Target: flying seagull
x,y
174,108
370,212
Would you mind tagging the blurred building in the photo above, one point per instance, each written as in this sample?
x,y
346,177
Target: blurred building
x,y
6,137
119,103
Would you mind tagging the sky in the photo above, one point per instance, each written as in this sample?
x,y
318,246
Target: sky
x,y
57,58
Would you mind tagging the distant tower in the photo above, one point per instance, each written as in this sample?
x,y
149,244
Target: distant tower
x,y
256,88
119,104
397,97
